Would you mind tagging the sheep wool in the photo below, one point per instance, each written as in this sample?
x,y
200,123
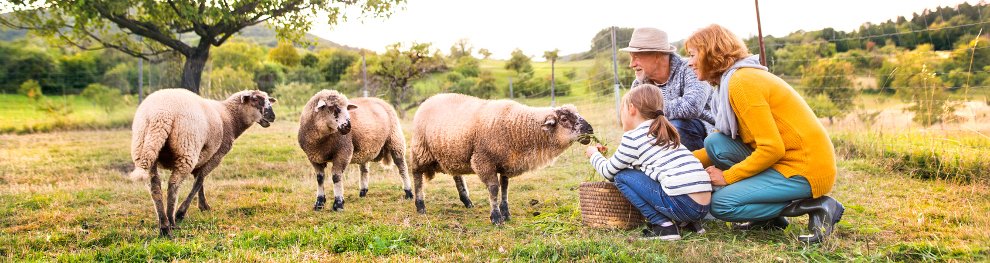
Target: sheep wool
x,y
334,129
178,130
496,139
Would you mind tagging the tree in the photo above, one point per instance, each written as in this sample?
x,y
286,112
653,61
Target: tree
x,y
485,87
484,53
238,55
269,75
102,96
467,66
335,63
227,81
117,77
96,24
294,95
285,54
461,48
398,68
831,78
823,107
916,82
519,62
309,60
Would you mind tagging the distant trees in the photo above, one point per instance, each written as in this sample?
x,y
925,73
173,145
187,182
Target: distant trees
x,y
285,54
115,24
398,67
832,79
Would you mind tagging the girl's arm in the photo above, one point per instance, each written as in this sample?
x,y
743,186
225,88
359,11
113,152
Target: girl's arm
x,y
623,158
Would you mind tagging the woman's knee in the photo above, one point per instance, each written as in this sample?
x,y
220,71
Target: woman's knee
x,y
725,207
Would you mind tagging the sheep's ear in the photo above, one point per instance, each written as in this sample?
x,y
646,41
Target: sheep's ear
x,y
351,107
245,98
272,100
549,123
320,105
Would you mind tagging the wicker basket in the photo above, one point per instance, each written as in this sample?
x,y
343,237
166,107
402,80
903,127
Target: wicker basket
x,y
603,206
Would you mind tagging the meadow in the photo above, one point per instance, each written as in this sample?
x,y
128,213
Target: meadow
x,y
65,197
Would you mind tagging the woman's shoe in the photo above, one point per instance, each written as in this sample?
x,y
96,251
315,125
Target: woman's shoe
x,y
777,223
823,213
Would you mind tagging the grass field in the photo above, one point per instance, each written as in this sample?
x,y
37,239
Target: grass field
x,y
20,115
65,198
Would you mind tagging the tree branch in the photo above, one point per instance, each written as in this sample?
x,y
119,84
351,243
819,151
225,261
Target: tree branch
x,y
144,29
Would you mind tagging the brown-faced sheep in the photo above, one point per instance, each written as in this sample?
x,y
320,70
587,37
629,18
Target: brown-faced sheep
x,y
180,131
497,139
341,131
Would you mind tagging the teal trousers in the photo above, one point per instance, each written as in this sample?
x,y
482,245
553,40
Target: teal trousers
x,y
759,197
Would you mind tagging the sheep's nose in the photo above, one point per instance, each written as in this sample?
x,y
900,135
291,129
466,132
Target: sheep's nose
x,y
586,127
345,128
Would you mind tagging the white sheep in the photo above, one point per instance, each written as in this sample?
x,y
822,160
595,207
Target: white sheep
x,y
497,139
341,131
180,131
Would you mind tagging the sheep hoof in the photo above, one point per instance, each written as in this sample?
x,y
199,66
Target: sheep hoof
x,y
364,192
179,216
166,232
467,202
338,204
320,202
409,194
497,218
420,207
505,215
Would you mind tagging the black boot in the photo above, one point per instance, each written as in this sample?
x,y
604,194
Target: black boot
x,y
823,213
777,223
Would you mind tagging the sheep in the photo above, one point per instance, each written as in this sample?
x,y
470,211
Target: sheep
x,y
341,131
189,135
496,139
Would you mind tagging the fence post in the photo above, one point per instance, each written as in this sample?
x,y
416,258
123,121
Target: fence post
x,y
615,73
510,88
364,75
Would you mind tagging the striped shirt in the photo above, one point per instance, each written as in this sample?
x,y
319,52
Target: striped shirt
x,y
677,170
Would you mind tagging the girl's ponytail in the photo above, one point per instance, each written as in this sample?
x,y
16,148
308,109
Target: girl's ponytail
x,y
664,131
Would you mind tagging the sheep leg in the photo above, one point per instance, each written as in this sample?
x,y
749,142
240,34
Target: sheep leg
x,y
321,198
197,186
155,187
462,191
364,180
418,185
338,185
400,162
491,181
174,182
504,180
203,206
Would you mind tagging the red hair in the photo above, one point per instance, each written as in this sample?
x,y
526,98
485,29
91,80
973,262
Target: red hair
x,y
717,49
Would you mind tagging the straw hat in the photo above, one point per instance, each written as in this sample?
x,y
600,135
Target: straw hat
x,y
648,39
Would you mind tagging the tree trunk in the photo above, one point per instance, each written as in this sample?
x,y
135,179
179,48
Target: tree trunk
x,y
192,70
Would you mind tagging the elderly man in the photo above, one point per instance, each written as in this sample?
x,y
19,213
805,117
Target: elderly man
x,y
685,97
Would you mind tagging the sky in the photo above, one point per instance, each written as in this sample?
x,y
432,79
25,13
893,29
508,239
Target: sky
x,y
536,26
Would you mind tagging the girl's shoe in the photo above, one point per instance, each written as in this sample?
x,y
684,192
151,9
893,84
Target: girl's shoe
x,y
669,232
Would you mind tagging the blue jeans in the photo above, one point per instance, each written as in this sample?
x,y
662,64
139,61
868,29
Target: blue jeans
x,y
759,197
692,132
658,207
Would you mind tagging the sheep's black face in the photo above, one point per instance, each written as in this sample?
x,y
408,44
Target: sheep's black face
x,y
263,104
338,112
572,124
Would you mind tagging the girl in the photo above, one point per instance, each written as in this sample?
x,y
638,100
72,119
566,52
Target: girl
x,y
653,169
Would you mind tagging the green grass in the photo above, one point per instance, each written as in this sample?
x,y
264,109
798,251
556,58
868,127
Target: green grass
x,y
21,115
65,198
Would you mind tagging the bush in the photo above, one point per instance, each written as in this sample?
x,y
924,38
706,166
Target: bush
x,y
227,81
102,96
269,75
31,89
293,96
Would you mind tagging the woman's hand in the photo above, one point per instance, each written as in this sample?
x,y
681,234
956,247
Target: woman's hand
x,y
716,175
597,148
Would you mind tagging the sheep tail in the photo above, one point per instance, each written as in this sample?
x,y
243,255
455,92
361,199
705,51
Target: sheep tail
x,y
150,143
386,161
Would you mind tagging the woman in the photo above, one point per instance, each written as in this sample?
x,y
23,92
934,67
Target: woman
x,y
771,153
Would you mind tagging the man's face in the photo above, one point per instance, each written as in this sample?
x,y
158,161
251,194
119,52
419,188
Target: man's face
x,y
646,64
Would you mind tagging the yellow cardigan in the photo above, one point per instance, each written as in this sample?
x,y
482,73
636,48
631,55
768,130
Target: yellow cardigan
x,y
776,122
